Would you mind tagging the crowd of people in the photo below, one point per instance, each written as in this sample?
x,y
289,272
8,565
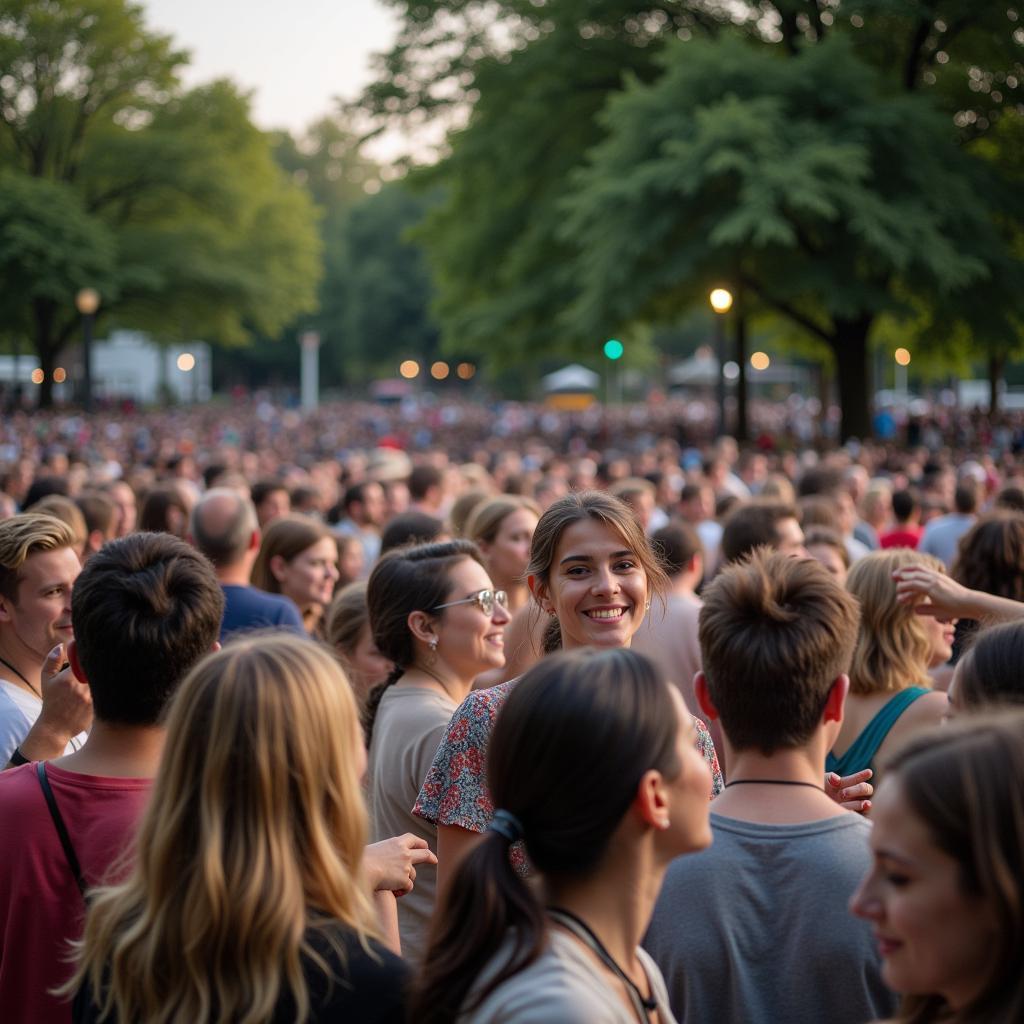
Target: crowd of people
x,y
478,717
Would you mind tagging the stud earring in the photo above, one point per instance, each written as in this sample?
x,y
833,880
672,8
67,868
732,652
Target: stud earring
x,y
663,824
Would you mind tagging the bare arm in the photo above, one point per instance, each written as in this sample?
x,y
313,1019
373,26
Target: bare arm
x,y
453,843
935,593
386,905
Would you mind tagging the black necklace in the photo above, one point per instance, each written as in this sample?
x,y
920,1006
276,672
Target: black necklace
x,y
644,1005
4,661
773,782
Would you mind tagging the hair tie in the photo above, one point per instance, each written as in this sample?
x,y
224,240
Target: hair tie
x,y
507,825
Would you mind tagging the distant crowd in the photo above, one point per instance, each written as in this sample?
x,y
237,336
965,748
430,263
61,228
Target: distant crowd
x,y
452,713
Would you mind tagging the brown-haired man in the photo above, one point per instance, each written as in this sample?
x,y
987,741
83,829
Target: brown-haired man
x,y
756,928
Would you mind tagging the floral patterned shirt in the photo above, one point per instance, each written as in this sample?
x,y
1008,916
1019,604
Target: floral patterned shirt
x,y
455,789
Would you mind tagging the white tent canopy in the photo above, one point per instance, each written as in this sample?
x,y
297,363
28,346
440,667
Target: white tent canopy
x,y
572,378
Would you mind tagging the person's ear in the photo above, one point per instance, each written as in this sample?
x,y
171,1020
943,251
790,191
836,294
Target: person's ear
x,y
421,625
277,565
255,539
76,662
5,609
703,695
836,700
540,593
651,801
216,647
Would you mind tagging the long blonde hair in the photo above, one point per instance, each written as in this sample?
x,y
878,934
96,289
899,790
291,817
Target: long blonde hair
x,y
893,650
254,834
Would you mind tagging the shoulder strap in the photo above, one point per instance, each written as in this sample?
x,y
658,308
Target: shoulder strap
x,y
863,749
58,822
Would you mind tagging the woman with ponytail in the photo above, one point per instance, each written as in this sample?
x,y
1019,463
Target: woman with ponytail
x,y
592,574
436,616
615,790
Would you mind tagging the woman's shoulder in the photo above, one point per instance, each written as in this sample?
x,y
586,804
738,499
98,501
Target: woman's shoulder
x,y
561,986
367,982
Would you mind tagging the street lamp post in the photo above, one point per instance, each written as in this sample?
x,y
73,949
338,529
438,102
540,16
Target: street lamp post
x,y
721,303
902,357
87,301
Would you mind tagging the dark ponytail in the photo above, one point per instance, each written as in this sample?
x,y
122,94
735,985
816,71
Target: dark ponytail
x,y
589,724
404,581
373,699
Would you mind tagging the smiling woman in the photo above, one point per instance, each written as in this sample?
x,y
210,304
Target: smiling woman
x,y
299,558
435,614
593,572
946,892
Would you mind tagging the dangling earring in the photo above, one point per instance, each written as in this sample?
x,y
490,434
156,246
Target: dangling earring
x,y
647,607
432,644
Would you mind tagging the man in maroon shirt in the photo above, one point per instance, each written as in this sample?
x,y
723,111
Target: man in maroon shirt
x,y
145,609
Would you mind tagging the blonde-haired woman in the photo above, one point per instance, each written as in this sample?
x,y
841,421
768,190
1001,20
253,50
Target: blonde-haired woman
x,y
248,900
299,558
890,688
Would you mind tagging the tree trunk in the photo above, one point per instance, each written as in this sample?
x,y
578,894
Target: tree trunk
x,y
742,430
850,344
47,347
996,365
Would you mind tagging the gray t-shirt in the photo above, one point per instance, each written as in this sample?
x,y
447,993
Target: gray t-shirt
x,y
409,725
756,929
562,986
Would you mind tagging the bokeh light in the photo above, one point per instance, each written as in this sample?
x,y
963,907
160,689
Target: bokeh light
x,y
409,369
721,300
186,362
760,361
439,370
902,356
38,376
60,375
465,371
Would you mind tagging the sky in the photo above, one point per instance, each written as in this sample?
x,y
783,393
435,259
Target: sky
x,y
295,57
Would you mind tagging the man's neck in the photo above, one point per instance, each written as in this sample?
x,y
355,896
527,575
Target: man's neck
x,y
236,575
22,665
117,751
786,787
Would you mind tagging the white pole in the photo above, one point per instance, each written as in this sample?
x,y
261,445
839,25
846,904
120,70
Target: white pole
x,y
310,342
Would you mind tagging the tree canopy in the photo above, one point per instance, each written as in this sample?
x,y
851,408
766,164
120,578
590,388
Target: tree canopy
x,y
168,202
833,160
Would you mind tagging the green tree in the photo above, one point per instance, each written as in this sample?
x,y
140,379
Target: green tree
x,y
380,311
168,202
801,179
538,76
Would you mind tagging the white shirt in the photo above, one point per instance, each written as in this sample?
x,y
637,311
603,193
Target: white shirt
x,y
19,710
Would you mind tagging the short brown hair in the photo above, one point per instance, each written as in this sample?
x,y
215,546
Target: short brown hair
x,y
775,634
754,524
24,535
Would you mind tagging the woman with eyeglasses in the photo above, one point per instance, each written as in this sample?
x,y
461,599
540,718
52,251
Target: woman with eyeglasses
x,y
437,617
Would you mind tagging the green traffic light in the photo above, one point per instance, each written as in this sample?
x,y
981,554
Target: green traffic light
x,y
613,349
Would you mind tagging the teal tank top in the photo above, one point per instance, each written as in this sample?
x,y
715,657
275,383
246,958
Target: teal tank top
x,y
862,751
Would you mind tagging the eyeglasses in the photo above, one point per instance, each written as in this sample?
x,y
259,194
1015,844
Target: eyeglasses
x,y
485,600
